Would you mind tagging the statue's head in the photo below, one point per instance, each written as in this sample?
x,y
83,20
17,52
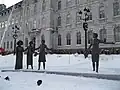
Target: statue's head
x,y
20,42
95,35
43,41
30,43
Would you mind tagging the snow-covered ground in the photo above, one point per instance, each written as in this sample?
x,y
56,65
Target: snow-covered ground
x,y
27,81
109,64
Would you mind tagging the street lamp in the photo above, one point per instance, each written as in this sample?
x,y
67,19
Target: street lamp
x,y
85,25
15,36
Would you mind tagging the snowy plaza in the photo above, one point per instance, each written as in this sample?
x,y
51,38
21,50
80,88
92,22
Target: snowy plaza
x,y
57,38
109,64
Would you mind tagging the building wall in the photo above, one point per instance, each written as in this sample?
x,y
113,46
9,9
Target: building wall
x,y
31,17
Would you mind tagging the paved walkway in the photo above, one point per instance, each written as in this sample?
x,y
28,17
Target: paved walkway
x,y
88,75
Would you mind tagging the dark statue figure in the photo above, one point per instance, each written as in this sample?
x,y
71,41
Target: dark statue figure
x,y
42,57
30,51
96,51
19,55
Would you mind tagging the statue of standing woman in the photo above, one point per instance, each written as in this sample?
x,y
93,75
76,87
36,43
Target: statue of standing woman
x,y
19,55
30,51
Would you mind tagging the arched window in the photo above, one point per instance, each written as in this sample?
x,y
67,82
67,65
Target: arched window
x,y
78,17
68,3
43,37
11,44
43,21
101,11
90,15
7,44
34,24
68,38
116,8
59,5
90,36
77,1
59,21
59,40
103,34
35,1
35,8
4,45
68,18
78,35
117,33
43,5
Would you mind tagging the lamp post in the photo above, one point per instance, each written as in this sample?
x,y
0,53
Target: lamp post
x,y
85,26
15,36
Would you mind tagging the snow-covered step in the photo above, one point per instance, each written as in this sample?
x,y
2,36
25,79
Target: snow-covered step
x,y
89,75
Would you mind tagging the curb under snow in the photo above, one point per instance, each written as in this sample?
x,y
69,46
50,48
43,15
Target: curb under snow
x,y
88,75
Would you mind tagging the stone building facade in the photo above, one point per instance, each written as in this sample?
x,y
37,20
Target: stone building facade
x,y
59,23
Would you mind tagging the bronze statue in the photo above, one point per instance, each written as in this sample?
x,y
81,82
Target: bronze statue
x,y
30,51
19,55
42,57
96,50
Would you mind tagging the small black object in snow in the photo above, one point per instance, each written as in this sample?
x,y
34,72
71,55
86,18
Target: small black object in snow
x,y
39,82
7,78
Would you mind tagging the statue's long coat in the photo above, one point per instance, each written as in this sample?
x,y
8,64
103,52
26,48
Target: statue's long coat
x,y
19,57
30,51
42,57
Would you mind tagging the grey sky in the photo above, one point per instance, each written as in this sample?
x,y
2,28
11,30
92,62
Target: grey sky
x,y
9,2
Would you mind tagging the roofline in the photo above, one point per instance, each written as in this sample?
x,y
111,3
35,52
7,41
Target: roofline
x,y
11,7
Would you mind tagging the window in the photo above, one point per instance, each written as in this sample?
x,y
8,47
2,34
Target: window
x,y
12,21
43,37
59,5
116,8
11,45
68,18
26,42
117,33
68,3
4,45
0,25
34,24
3,24
7,44
78,35
90,36
8,11
103,34
90,16
35,1
35,8
68,38
28,11
8,33
43,21
78,17
77,1
59,21
43,5
101,11
59,40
